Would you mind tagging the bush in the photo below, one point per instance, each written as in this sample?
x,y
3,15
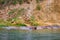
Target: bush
x,y
11,1
33,21
38,7
21,24
2,1
14,2
2,25
20,1
37,1
12,11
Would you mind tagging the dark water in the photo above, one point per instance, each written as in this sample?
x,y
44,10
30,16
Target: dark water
x,y
27,35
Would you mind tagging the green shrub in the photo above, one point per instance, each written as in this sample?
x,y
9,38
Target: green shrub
x,y
38,7
12,11
19,12
2,1
21,24
35,24
20,1
33,21
14,2
37,1
11,1
2,25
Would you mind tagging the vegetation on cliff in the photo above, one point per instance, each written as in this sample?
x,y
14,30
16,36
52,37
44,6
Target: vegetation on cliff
x,y
29,12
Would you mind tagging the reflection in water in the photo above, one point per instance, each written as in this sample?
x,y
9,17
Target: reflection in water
x,y
27,35
4,35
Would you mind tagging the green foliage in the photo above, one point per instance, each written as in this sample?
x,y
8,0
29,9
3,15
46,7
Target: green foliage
x,y
16,12
38,7
2,1
37,1
19,13
21,24
32,18
2,25
20,1
35,24
8,23
12,11
11,2
33,21
14,2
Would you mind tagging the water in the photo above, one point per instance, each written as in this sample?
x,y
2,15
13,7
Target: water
x,y
27,35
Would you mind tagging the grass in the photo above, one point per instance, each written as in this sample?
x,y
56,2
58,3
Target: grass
x,y
2,23
8,1
33,21
21,24
12,11
14,2
9,23
16,21
16,13
4,3
15,24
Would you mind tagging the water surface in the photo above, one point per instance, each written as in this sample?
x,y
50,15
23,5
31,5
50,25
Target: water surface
x,y
27,35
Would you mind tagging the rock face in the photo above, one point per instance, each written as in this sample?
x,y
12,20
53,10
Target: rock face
x,y
49,13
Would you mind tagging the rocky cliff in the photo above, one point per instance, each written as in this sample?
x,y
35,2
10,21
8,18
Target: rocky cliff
x,y
31,12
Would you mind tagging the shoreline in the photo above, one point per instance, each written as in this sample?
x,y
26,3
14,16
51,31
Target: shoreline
x,y
27,29
31,27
